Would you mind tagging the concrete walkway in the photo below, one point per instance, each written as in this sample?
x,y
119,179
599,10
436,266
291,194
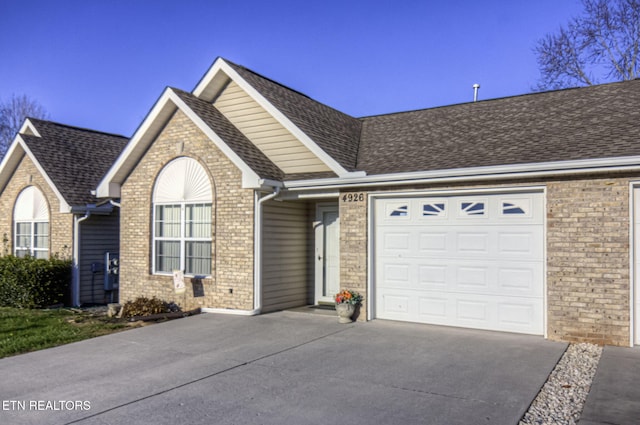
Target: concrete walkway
x,y
615,392
281,368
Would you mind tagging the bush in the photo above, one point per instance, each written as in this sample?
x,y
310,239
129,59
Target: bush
x,y
31,283
143,306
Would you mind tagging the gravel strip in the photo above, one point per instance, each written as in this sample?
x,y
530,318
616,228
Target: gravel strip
x,y
562,397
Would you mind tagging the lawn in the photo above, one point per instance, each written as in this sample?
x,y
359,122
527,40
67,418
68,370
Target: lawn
x,y
24,330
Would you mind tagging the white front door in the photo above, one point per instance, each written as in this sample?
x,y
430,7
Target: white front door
x,y
327,253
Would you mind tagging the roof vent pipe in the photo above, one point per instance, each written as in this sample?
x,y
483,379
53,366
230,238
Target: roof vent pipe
x,y
475,92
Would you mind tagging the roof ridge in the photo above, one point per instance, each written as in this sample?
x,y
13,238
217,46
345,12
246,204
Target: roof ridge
x,y
284,86
269,79
72,127
501,98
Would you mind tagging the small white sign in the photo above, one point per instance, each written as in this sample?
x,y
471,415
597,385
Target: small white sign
x,y
178,281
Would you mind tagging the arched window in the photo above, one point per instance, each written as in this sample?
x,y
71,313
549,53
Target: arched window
x,y
182,200
31,224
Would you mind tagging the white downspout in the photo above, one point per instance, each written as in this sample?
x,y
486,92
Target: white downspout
x,y
257,249
75,285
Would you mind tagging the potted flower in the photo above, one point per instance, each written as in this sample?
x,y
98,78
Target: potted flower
x,y
346,302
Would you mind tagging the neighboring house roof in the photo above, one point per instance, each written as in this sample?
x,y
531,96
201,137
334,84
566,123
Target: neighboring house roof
x,y
72,159
575,124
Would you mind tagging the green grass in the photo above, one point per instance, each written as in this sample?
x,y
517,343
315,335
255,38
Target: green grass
x,y
24,330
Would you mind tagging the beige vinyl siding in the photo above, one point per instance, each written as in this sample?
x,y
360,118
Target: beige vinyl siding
x,y
277,143
285,255
98,234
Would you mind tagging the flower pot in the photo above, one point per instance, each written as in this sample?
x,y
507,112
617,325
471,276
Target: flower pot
x,y
345,311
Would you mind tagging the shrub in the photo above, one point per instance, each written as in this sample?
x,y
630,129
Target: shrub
x,y
31,283
143,306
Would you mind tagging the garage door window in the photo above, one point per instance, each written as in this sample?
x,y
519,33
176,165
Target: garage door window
x,y
515,207
434,209
399,211
471,209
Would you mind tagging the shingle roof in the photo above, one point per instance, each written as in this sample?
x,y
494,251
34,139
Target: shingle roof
x,y
573,124
246,150
335,132
75,159
584,123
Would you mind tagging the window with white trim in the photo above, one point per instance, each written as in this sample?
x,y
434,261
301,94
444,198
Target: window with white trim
x,y
31,224
182,210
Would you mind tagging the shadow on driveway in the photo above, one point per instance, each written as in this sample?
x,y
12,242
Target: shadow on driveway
x,y
280,368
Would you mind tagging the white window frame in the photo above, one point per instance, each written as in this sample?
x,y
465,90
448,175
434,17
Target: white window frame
x,y
182,238
31,248
31,207
182,182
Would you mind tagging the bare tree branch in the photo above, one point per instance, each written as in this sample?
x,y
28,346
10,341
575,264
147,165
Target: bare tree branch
x,y
604,41
13,112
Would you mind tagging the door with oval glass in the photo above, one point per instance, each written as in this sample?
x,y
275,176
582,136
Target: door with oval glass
x,y
327,253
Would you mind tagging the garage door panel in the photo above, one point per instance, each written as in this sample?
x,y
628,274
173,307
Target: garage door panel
x,y
433,276
396,275
472,279
434,242
508,242
490,277
478,312
521,279
472,243
394,241
517,314
472,261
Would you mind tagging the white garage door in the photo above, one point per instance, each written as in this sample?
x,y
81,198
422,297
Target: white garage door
x,y
470,261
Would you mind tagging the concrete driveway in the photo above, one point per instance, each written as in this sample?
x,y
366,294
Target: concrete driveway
x,y
281,368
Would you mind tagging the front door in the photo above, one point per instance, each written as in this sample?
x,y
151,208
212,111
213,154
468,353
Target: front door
x,y
327,253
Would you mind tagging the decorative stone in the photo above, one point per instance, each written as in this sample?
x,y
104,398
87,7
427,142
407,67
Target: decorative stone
x,y
113,309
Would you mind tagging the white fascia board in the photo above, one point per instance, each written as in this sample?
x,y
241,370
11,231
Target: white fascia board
x,y
28,126
109,186
211,84
10,161
221,66
64,206
500,172
249,177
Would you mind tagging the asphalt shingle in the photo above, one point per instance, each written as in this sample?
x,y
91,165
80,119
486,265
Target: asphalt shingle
x,y
574,124
335,132
237,141
75,159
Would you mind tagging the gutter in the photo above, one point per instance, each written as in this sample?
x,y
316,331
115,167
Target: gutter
x,y
75,281
257,249
546,169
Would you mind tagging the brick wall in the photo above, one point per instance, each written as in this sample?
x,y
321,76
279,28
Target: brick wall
x,y
231,284
353,244
588,281
60,224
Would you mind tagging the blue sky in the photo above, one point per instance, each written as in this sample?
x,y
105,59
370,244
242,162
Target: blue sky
x,y
103,64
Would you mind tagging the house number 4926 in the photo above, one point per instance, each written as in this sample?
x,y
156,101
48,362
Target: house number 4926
x,y
353,197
